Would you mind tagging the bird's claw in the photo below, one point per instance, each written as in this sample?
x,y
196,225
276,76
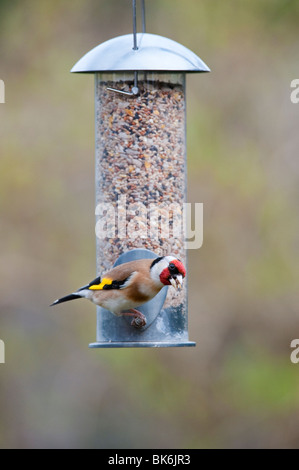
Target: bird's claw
x,y
138,322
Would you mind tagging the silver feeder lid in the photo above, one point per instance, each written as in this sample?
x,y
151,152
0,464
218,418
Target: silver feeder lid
x,y
153,53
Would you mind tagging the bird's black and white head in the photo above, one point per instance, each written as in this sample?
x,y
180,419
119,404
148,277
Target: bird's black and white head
x,y
168,270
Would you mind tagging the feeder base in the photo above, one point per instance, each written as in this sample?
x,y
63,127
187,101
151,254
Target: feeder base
x,y
142,344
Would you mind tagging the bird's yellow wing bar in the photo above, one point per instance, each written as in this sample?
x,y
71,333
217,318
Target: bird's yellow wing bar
x,y
104,282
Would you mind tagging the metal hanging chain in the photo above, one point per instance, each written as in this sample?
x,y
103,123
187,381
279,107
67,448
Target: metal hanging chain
x,y
135,89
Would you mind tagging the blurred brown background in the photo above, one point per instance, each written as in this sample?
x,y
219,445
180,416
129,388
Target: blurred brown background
x,y
238,387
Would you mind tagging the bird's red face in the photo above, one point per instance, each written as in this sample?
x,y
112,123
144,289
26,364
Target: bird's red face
x,y
173,274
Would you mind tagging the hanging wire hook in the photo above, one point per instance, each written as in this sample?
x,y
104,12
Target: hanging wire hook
x,y
143,15
135,89
134,27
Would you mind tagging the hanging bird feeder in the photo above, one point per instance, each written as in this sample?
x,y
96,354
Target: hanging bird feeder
x,y
140,141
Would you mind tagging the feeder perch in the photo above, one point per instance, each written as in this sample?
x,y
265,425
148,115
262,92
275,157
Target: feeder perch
x,y
140,141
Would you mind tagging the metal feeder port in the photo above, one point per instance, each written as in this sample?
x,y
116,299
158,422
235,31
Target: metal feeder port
x,y
140,142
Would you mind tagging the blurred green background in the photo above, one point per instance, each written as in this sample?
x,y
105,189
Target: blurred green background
x,y
238,387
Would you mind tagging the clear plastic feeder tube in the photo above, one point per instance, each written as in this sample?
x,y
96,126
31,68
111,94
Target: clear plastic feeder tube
x,y
141,177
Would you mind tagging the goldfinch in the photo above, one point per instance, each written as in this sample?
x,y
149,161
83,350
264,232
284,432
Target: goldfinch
x,y
130,285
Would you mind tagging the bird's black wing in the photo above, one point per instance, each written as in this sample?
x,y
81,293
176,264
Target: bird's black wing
x,y
104,283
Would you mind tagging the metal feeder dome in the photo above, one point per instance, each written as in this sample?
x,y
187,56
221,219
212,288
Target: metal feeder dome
x,y
153,53
140,118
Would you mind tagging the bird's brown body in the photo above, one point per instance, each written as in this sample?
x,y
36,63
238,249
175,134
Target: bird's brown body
x,y
130,285
138,288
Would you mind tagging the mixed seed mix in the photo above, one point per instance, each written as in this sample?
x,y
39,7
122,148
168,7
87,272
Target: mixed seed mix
x,y
140,171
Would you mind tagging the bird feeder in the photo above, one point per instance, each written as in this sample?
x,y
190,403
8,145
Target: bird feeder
x,y
140,142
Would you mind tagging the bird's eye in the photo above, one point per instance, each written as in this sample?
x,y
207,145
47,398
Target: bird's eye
x,y
172,267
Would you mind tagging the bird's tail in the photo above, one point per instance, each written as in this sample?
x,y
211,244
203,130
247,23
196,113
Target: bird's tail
x,y
66,299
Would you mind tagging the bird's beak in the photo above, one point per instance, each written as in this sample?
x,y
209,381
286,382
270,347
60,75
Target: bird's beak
x,y
177,282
